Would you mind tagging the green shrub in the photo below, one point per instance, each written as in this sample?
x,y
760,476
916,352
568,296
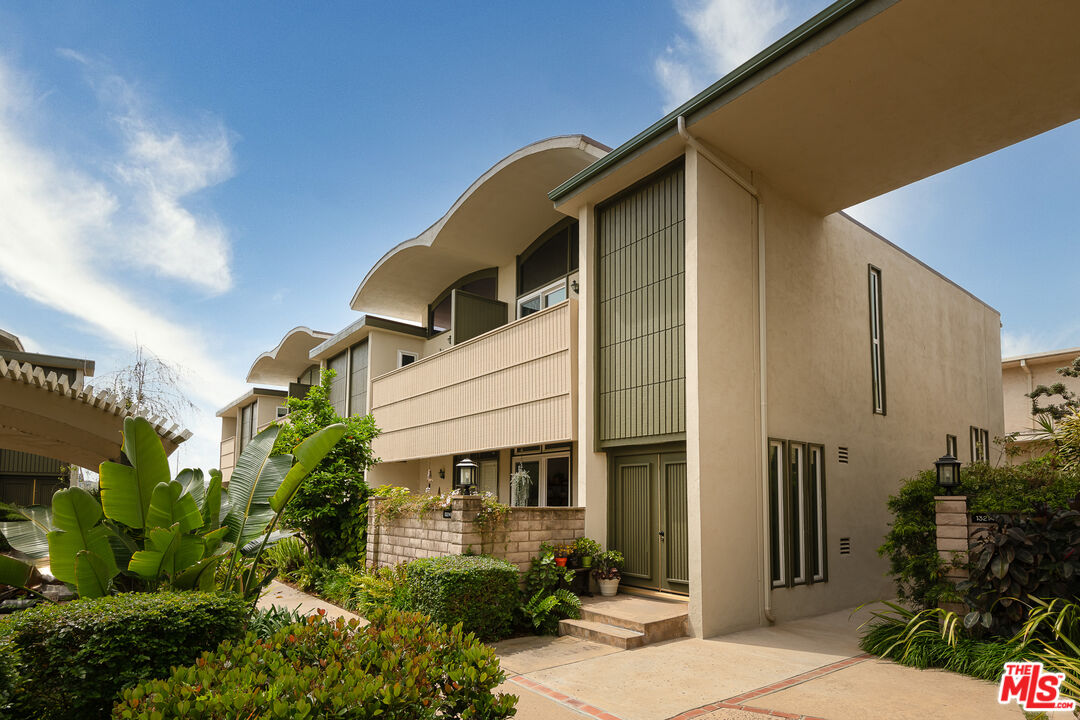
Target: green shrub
x,y
911,543
75,658
400,666
479,592
331,506
1035,555
9,664
286,556
544,576
366,591
264,623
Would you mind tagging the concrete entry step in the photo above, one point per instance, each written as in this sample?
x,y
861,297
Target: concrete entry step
x,y
609,620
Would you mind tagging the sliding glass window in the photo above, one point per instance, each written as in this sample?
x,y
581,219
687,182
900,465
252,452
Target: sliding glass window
x,y
797,535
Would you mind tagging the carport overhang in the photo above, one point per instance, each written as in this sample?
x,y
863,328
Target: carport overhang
x,y
869,96
44,415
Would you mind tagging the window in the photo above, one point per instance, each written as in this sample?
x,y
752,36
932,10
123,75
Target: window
x,y
546,297
950,445
877,342
797,513
980,445
544,267
247,425
406,358
549,471
358,378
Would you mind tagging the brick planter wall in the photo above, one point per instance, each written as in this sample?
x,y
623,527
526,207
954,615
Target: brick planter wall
x,y
516,540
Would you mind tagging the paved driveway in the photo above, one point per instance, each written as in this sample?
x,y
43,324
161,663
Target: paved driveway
x,y
809,668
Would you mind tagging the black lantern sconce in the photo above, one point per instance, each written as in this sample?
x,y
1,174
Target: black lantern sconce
x,y
467,475
948,473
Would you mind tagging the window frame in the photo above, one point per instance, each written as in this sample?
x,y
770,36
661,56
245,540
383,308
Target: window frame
x,y
244,438
979,437
543,457
951,445
877,341
571,227
795,550
402,354
484,274
542,293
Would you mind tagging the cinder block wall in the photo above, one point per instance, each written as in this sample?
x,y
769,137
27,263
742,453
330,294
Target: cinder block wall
x,y
517,539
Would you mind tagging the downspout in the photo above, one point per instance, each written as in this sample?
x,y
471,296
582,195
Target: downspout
x,y
763,397
1031,385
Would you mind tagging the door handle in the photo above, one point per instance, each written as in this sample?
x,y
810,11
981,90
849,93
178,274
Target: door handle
x,y
661,535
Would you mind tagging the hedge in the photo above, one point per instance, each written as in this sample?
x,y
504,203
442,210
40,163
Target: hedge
x,y
400,666
75,658
479,592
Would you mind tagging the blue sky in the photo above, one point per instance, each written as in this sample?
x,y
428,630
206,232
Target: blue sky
x,y
162,165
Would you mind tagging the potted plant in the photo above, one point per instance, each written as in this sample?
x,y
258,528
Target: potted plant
x,y
585,549
562,552
606,566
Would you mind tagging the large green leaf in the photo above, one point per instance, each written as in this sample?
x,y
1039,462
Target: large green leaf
x,y
171,554
199,576
92,578
14,572
255,479
214,539
126,491
214,504
29,536
308,455
192,482
77,517
169,504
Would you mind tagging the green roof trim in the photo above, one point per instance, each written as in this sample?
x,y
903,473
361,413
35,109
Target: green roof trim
x,y
666,124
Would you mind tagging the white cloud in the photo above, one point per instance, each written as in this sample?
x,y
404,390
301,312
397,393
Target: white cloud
x,y
74,238
723,34
1028,342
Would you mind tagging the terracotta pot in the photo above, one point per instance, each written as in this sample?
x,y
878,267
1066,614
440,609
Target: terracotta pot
x,y
561,562
608,588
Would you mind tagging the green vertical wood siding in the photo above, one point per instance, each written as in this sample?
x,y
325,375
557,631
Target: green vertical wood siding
x,y
474,315
634,522
641,299
359,379
340,365
676,525
24,463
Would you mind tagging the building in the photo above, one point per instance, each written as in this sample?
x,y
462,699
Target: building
x,y
1020,375
686,336
52,423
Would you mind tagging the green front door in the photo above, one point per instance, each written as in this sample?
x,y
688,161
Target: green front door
x,y
650,521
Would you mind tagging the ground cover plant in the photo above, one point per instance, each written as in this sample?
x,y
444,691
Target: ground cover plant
x,y
73,659
330,509
549,597
402,665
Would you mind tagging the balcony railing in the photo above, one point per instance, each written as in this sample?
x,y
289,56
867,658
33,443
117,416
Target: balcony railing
x,y
512,386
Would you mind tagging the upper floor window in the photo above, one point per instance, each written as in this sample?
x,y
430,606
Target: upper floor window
x,y
950,445
484,283
544,267
406,358
877,342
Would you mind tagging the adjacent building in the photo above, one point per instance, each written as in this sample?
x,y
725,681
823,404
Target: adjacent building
x,y
686,337
1020,375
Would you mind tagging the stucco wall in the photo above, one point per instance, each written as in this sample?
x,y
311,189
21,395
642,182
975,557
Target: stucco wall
x,y
1016,384
942,369
516,540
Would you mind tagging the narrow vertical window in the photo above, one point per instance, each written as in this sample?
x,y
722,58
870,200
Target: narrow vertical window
x,y
816,511
950,445
797,511
777,536
877,342
980,445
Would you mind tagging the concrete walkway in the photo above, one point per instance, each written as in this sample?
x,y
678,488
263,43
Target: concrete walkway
x,y
809,669
281,595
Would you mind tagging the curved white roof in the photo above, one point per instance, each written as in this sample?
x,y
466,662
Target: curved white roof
x,y
285,362
494,219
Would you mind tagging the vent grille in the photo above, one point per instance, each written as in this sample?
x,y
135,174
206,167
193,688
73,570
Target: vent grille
x,y
845,546
842,454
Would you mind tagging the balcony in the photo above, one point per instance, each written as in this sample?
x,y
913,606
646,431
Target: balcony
x,y
512,386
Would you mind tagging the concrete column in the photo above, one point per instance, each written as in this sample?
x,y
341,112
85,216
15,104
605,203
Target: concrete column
x,y
722,450
592,479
